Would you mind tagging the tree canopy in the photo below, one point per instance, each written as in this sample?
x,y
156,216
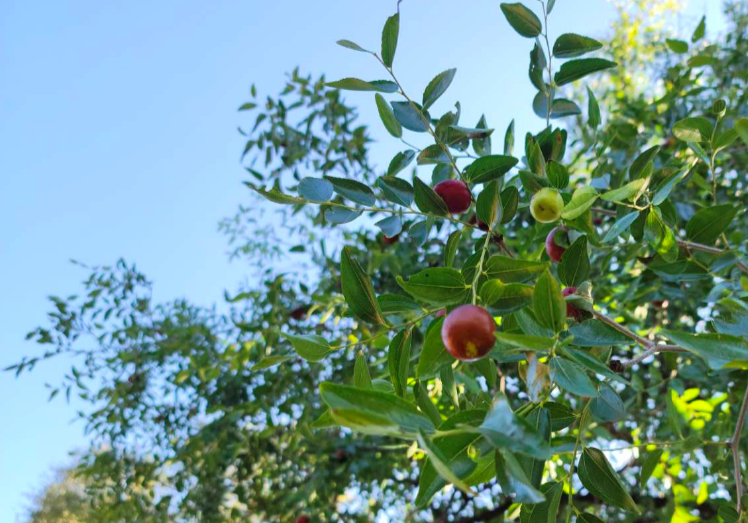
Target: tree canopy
x,y
608,245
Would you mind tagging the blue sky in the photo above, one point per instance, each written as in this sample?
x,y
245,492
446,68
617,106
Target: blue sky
x,y
118,131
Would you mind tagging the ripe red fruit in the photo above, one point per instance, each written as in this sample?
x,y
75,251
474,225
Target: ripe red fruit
x,y
299,312
386,240
303,519
455,194
571,311
475,221
468,332
554,250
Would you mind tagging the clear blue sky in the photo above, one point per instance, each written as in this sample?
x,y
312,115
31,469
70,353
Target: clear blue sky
x,y
118,132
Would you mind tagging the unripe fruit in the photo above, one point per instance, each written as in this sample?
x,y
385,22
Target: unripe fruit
x,y
455,194
571,311
468,332
546,205
554,250
302,519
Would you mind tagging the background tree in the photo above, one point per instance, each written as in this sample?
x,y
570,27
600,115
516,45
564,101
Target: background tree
x,y
328,392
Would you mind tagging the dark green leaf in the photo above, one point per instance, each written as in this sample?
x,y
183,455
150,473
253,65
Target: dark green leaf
x,y
396,190
561,415
594,333
571,45
557,175
522,20
433,353
425,404
439,286
419,231
482,145
270,361
437,87
525,342
546,512
315,189
488,207
741,127
621,225
427,200
707,224
509,203
440,463
389,39
582,199
700,30
660,237
340,215
509,138
397,304
572,377
433,154
593,110
488,168
505,430
575,264
677,46
503,299
452,243
649,464
607,406
400,161
374,412
548,303
513,270
398,361
390,226
514,481
602,481
357,289
724,140
627,192
388,117
575,69
352,190
361,376
354,84
412,118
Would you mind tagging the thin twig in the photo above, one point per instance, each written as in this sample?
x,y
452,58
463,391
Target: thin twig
x,y
653,349
735,445
623,330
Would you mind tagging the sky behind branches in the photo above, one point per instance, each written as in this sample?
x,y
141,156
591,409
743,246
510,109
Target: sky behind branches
x,y
118,131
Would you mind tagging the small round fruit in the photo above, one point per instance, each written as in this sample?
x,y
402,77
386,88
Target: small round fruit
x,y
571,310
387,240
455,194
475,221
468,332
299,312
546,205
303,519
554,250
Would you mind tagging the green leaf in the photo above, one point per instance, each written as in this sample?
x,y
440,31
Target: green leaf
x,y
693,129
419,231
434,354
427,200
522,20
351,45
641,163
400,161
700,30
561,415
396,190
571,45
621,225
357,289
572,377
310,346
741,127
324,421
315,189
505,430
440,462
275,195
513,270
649,464
514,481
607,406
540,419
666,186
728,514
488,206
482,146
525,342
438,286
398,361
536,160
352,190
340,215
425,404
361,376
593,110
660,237
509,138
503,299
437,87
397,304
247,106
575,69
509,203
627,192
488,168
390,226
548,303
594,333
388,117
547,511
557,174
707,224
433,154
589,518
717,350
602,481
374,412
354,84
410,117
677,46
452,243
389,39
582,199
724,140
575,264
270,361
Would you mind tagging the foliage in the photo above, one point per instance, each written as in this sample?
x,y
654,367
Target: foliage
x,y
330,393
